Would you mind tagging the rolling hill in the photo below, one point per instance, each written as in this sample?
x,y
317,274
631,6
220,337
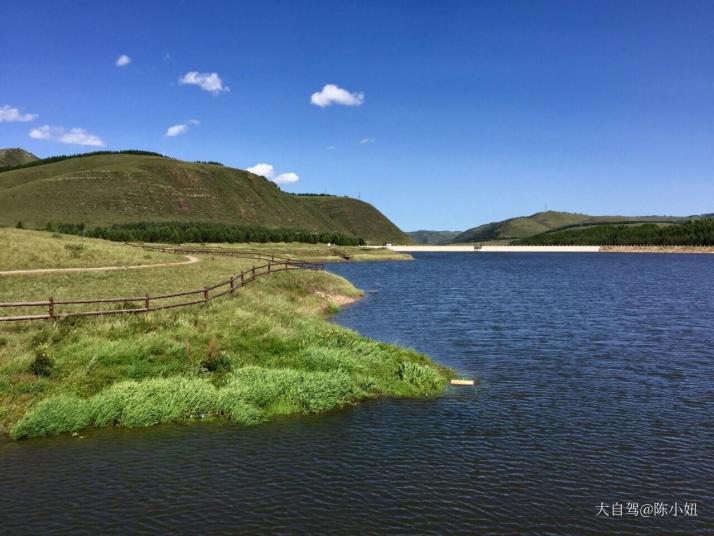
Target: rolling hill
x,y
15,157
121,188
543,222
433,237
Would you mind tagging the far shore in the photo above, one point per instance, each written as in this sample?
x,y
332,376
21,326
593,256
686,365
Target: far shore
x,y
657,249
504,248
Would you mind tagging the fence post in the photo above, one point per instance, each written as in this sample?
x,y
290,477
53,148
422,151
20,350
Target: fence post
x,y
232,283
51,308
242,278
147,304
205,294
269,265
253,272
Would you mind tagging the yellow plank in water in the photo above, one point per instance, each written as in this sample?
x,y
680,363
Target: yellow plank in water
x,y
462,382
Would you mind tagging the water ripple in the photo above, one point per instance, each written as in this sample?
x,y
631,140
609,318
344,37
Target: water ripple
x,y
595,385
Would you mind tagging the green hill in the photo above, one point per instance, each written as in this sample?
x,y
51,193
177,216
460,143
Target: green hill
x,y
542,222
15,157
696,232
433,237
123,188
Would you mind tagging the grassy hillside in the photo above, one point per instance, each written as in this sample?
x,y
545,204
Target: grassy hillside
x,y
118,188
542,222
433,237
15,157
264,351
699,232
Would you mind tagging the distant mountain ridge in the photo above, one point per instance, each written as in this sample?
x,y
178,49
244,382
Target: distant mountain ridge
x,y
136,186
14,156
433,237
543,222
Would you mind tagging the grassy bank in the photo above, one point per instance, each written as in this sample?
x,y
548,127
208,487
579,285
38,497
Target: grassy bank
x,y
265,351
23,249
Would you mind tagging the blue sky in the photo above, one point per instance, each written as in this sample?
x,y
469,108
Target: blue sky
x,y
467,112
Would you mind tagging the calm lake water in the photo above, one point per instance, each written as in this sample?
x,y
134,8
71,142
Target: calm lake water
x,y
595,374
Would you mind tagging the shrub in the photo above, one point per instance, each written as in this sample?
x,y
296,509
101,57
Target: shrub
x,y
215,360
42,364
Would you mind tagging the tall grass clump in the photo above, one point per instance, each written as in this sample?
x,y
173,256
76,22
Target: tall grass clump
x,y
289,389
421,376
62,413
149,402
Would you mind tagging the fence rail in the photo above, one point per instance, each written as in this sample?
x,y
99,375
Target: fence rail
x,y
213,251
154,303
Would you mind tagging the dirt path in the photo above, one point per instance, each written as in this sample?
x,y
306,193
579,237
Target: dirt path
x,y
190,260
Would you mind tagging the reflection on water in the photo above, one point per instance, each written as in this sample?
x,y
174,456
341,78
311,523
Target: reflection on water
x,y
595,386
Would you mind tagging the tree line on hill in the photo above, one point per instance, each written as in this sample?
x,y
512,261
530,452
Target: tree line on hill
x,y
59,158
200,232
699,232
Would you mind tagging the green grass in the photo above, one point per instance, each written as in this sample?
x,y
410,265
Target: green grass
x,y
119,188
265,351
24,249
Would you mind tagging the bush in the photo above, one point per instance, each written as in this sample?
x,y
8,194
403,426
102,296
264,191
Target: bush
x,y
215,360
42,364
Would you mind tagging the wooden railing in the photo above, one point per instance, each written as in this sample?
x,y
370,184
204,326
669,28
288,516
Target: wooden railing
x,y
145,304
213,251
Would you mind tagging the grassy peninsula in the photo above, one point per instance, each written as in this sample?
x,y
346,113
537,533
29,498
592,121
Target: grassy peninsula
x,y
266,350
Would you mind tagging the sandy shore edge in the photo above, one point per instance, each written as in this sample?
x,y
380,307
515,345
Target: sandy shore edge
x,y
657,249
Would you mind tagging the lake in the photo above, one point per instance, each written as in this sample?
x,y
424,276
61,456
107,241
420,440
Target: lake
x,y
595,389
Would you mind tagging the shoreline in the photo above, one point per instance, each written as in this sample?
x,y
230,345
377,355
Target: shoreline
x,y
485,248
222,370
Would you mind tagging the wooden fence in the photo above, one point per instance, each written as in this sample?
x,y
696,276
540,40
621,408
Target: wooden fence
x,y
145,304
181,250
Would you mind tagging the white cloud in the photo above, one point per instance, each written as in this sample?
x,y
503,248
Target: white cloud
x,y
286,178
123,61
8,114
365,141
268,171
176,130
332,94
193,122
210,82
73,136
264,170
